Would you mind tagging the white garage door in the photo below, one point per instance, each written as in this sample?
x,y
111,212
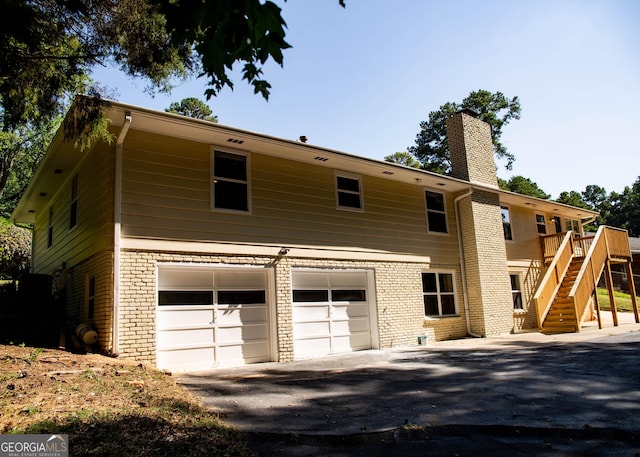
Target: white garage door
x,y
211,318
331,312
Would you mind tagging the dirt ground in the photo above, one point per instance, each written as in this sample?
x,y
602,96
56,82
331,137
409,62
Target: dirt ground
x,y
107,406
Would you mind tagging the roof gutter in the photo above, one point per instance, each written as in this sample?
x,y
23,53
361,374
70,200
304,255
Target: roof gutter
x,y
117,221
465,297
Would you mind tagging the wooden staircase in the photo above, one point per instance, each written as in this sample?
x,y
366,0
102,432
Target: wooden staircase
x,y
561,317
568,288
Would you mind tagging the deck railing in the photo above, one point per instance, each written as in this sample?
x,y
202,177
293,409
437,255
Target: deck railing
x,y
550,284
551,245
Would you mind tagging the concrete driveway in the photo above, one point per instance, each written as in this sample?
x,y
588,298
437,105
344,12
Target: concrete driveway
x,y
585,385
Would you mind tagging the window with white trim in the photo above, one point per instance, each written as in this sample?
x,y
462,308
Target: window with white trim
x,y
506,223
438,294
516,293
348,191
230,181
541,223
436,212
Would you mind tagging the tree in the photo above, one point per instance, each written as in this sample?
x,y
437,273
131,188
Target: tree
x,y
573,198
403,158
20,153
432,148
522,185
625,209
192,107
47,49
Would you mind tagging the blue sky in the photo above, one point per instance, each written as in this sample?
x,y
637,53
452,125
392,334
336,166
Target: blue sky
x,y
361,79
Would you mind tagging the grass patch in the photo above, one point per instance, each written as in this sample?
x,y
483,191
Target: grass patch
x,y
623,301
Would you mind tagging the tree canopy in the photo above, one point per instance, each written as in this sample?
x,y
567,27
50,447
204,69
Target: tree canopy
x,y
522,185
48,49
192,107
403,158
431,147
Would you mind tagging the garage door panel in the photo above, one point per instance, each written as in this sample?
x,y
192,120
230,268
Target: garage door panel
x,y
311,329
308,312
186,338
186,278
243,333
345,279
359,325
313,347
180,318
349,311
244,314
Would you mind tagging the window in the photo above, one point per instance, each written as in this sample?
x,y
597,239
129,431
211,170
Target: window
x,y
241,297
516,292
348,192
91,297
436,215
506,223
541,224
574,225
184,297
230,186
50,228
73,207
438,293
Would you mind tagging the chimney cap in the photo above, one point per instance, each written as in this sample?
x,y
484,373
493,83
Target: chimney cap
x,y
469,112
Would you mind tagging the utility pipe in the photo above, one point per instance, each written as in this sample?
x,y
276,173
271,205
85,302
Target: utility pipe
x,y
117,220
465,297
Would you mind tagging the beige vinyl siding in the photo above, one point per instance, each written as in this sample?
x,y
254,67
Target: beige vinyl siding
x,y
166,195
526,239
94,229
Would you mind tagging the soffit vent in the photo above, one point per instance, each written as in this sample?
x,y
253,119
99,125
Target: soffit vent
x,y
321,159
235,141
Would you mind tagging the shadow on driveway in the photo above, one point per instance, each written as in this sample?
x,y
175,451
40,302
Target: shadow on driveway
x,y
583,396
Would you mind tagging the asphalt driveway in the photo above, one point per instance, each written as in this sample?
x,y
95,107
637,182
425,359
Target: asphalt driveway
x,y
583,389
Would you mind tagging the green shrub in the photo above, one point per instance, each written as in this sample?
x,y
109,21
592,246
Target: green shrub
x,y
15,250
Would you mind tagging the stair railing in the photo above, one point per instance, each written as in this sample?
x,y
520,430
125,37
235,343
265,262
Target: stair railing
x,y
552,279
609,242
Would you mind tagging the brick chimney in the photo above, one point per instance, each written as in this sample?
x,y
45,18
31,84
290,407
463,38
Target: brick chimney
x,y
471,149
485,257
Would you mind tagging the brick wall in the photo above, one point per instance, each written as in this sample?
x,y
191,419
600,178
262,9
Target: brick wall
x,y
76,283
398,294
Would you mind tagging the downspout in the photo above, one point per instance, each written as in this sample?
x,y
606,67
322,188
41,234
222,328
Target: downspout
x,y
465,297
117,220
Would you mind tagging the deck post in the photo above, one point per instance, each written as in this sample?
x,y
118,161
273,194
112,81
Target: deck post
x,y
632,290
609,277
595,296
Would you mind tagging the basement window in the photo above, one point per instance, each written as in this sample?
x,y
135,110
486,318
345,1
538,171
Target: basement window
x,y
516,293
438,294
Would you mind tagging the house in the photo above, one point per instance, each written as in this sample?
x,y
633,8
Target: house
x,y
194,245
